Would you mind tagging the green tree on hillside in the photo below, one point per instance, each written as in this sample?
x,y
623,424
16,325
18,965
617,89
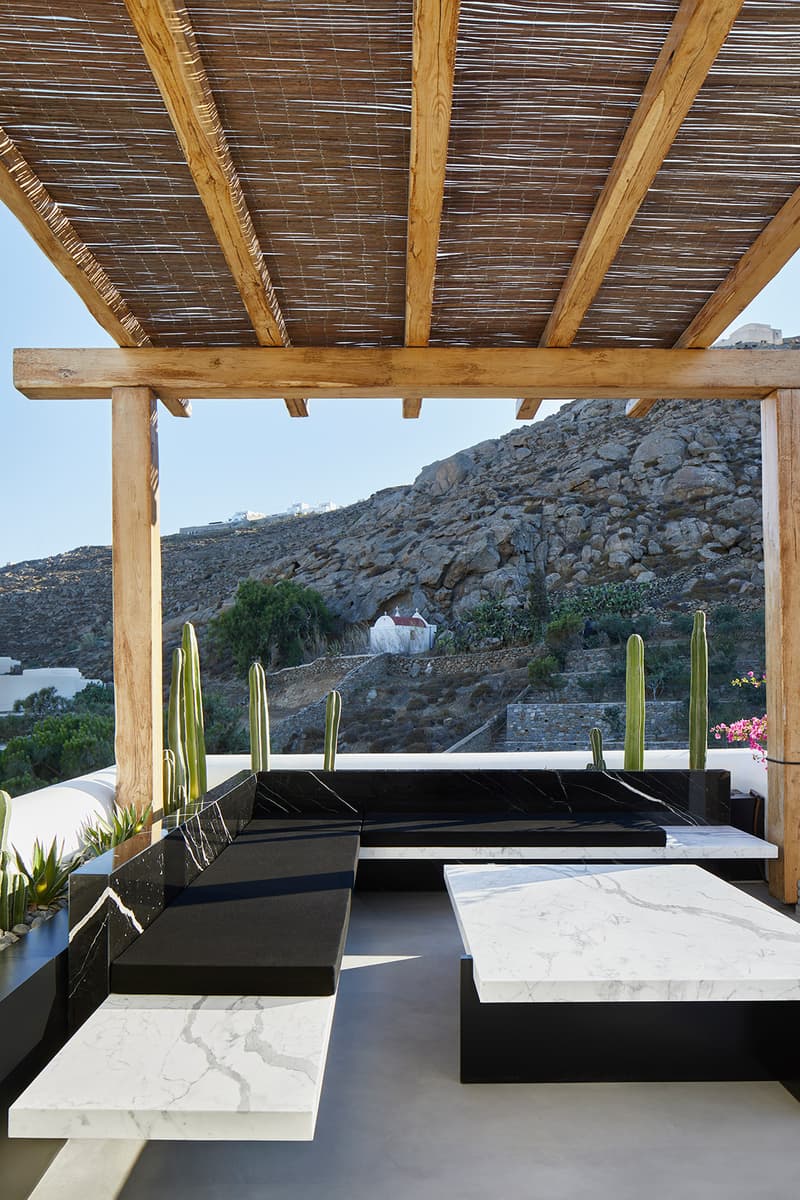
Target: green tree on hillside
x,y
276,623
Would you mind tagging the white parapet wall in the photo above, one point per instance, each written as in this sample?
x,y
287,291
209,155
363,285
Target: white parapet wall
x,y
63,810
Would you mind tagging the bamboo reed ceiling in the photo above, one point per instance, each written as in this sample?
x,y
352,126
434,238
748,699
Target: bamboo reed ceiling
x,y
314,100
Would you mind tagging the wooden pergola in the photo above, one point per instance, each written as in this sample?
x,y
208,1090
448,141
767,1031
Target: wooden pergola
x,y
300,200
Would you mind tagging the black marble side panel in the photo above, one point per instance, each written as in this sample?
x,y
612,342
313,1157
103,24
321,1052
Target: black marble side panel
x,y
33,992
672,797
115,897
626,1042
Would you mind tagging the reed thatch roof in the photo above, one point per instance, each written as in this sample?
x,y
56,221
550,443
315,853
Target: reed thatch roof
x,y
312,101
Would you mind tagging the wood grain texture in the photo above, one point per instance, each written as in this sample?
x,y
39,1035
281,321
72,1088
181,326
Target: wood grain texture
x,y
342,372
33,206
434,57
136,558
695,37
165,31
527,409
780,442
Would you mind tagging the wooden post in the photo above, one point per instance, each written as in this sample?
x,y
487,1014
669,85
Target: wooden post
x,y
780,443
136,556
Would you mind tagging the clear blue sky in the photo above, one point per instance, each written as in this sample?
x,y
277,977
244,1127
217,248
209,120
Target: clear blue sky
x,y
228,456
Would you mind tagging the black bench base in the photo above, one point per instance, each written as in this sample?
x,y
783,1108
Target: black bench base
x,y
627,1042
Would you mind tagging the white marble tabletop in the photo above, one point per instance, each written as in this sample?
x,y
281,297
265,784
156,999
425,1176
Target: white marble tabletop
x,y
684,842
174,1067
584,932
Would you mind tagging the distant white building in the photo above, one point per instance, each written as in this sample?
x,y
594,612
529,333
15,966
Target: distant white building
x,y
401,635
301,509
18,685
752,334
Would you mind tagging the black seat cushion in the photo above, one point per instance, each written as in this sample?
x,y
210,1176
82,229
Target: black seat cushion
x,y
268,917
472,829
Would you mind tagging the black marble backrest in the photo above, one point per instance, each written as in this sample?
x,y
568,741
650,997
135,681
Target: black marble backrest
x,y
676,796
114,897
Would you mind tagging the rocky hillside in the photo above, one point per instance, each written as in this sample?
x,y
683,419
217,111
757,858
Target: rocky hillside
x,y
586,496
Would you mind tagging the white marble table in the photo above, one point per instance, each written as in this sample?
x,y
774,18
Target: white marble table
x,y
684,842
589,933
185,1067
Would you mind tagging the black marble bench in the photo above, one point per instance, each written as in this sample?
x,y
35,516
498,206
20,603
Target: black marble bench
x,y
269,916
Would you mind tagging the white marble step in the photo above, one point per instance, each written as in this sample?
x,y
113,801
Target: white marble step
x,y
244,1068
591,933
684,843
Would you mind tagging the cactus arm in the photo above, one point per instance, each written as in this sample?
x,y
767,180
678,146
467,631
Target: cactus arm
x,y
634,704
698,695
333,713
176,728
169,797
596,743
264,717
5,822
256,724
193,700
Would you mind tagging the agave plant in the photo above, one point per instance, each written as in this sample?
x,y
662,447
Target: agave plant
x,y
47,873
124,823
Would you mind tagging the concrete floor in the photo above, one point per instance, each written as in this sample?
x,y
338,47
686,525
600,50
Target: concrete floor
x,y
395,1123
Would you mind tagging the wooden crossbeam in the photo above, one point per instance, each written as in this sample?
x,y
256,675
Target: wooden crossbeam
x,y
697,33
25,195
168,40
252,372
434,58
771,251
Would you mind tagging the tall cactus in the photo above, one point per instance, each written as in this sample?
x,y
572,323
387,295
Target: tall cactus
x,y
176,728
698,695
634,704
14,894
598,763
5,821
259,718
333,713
193,703
170,796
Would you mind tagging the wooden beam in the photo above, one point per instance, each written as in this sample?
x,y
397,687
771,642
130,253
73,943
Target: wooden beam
x,y
434,59
527,409
168,40
136,557
345,372
25,195
780,449
697,33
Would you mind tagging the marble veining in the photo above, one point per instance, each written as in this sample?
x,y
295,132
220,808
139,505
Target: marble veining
x,y
686,796
684,842
196,1067
116,896
588,932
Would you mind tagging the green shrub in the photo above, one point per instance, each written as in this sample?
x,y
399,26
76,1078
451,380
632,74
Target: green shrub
x,y
564,634
543,672
271,623
58,747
